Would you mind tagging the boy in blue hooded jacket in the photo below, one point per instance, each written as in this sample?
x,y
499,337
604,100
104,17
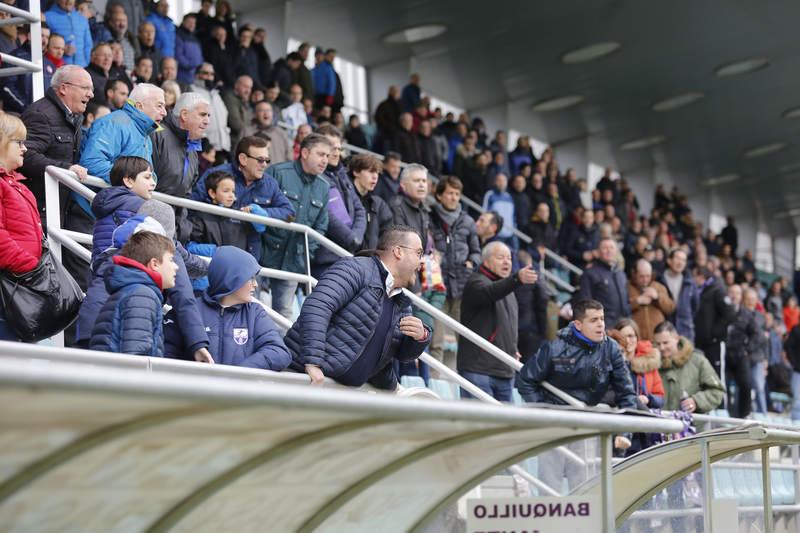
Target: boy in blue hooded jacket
x,y
239,330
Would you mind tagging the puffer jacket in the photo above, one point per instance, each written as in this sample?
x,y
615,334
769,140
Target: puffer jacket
x,y
188,53
308,194
20,225
338,318
265,193
746,336
689,371
416,216
685,306
240,335
379,216
458,243
130,320
165,33
112,207
644,370
126,131
74,27
583,370
181,297
342,198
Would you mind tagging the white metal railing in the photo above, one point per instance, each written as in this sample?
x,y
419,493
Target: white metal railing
x,y
34,18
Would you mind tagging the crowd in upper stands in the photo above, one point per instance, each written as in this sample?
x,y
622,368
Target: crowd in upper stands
x,y
200,110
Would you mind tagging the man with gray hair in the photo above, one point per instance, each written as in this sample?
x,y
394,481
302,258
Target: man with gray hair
x,y
237,100
175,152
489,308
126,131
409,207
217,134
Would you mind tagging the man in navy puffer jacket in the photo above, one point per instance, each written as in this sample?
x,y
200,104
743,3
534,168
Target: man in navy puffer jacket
x,y
239,329
357,319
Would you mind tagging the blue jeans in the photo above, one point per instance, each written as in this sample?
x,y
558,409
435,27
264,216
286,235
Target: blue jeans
x,y
795,395
758,382
282,293
497,388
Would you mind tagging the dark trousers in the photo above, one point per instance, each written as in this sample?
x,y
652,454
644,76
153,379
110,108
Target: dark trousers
x,y
737,368
76,219
712,353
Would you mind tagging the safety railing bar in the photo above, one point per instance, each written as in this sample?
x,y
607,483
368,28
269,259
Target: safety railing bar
x,y
530,478
730,421
14,21
463,382
80,238
18,62
553,278
276,317
21,13
63,239
693,511
275,274
560,260
14,71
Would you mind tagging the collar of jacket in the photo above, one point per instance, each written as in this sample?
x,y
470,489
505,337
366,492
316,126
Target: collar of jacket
x,y
171,124
121,260
216,305
75,119
583,339
306,177
144,124
684,354
410,203
646,359
11,175
488,273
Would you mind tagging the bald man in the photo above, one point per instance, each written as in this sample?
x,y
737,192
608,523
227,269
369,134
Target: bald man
x,y
650,300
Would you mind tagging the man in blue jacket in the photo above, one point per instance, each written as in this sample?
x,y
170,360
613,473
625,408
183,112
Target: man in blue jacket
x,y
324,78
239,329
64,20
165,29
188,50
256,191
357,319
606,283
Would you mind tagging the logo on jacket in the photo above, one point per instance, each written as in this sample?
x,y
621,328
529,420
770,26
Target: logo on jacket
x,y
240,336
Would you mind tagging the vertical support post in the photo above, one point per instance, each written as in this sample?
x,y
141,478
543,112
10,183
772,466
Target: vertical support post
x,y
606,481
36,51
308,261
708,486
796,480
52,210
766,484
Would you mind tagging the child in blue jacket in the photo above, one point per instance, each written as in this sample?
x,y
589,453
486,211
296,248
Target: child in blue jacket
x,y
239,330
131,319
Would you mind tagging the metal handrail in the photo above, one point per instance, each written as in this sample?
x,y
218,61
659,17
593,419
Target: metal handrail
x,y
21,66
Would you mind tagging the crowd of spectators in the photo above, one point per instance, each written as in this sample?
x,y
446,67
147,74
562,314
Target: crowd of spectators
x,y
194,111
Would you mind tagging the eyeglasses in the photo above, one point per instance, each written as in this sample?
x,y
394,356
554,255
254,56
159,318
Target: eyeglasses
x,y
261,160
206,73
20,142
419,251
85,88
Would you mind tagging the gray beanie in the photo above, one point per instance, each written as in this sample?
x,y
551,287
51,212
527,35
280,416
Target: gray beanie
x,y
163,213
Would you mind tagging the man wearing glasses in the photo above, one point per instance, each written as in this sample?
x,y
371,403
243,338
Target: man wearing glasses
x,y
358,320
256,191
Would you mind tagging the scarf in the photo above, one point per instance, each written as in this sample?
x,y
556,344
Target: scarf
x,y
448,217
582,337
191,146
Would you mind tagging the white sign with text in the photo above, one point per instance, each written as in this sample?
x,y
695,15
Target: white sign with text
x,y
535,515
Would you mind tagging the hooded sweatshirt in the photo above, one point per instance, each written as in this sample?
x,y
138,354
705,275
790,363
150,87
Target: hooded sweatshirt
x,y
239,335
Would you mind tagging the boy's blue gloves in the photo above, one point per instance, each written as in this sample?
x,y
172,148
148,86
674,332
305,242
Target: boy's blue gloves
x,y
198,248
256,209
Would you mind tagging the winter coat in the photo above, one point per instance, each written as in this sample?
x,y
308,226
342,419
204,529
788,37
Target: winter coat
x,y
266,193
217,132
126,131
792,348
713,314
582,370
324,78
387,115
188,54
746,337
165,33
20,225
489,308
522,209
689,371
223,60
74,27
647,317
54,138
416,216
532,302
17,91
429,154
608,286
239,335
155,56
112,207
220,231
457,243
181,297
410,97
542,234
379,216
175,158
339,316
302,77
791,317
247,63
387,188
239,116
686,305
308,195
406,144
342,196
130,320
502,203
644,371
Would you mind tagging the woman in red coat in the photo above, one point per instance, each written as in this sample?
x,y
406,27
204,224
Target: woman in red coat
x,y
644,361
20,225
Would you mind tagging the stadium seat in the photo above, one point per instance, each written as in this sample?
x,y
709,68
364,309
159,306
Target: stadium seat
x,y
447,390
723,482
412,381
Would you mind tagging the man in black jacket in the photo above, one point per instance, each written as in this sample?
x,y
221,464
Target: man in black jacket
x,y
606,283
54,128
364,169
714,315
489,308
175,152
405,142
792,349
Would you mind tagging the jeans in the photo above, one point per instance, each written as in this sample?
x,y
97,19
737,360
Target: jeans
x,y
498,388
738,370
5,332
758,381
795,395
283,293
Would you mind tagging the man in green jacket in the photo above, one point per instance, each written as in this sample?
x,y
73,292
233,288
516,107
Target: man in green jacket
x,y
302,183
690,382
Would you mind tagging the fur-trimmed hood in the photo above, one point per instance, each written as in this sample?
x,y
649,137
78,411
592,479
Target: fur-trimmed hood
x,y
685,352
647,358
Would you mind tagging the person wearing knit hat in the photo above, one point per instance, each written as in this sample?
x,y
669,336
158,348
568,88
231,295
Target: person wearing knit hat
x,y
162,212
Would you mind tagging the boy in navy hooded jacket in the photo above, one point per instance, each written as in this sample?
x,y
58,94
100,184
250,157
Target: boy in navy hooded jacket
x,y
239,330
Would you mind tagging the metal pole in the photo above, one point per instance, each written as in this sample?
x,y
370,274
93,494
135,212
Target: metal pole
x,y
308,261
796,479
53,222
708,486
766,484
36,51
606,482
